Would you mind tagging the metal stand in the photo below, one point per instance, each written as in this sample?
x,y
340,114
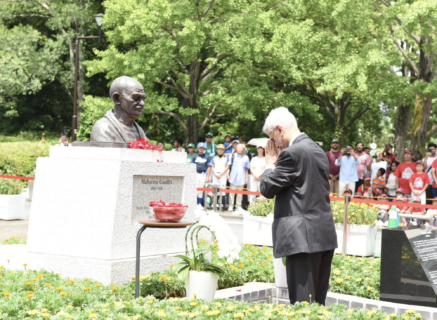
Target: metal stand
x,y
346,208
137,262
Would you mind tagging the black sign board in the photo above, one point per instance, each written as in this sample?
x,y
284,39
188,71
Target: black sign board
x,y
424,244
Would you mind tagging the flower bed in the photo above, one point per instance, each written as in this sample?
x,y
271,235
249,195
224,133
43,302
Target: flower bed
x,y
39,295
14,240
349,275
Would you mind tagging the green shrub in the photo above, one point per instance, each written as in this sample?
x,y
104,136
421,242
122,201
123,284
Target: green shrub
x,y
9,186
262,207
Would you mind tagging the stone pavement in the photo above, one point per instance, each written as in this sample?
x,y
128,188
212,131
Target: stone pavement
x,y
13,228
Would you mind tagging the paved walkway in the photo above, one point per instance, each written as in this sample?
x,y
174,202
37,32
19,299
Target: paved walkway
x,y
13,228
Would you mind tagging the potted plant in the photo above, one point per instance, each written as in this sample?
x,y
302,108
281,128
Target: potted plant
x,y
361,232
12,200
257,225
196,269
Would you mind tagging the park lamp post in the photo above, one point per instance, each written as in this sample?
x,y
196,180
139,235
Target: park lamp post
x,y
98,18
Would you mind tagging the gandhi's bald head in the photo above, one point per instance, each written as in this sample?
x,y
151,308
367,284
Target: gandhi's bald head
x,y
128,96
124,85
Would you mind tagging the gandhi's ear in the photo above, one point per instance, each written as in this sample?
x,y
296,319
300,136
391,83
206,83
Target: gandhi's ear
x,y
116,98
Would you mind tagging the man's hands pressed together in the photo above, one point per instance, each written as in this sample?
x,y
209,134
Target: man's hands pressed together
x,y
272,153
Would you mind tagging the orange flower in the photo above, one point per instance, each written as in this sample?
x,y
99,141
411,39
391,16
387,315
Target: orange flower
x,y
269,257
48,284
58,289
29,296
163,278
6,294
72,281
36,287
28,283
40,276
98,285
171,266
1,267
115,288
72,294
30,292
63,294
25,265
242,265
87,289
86,279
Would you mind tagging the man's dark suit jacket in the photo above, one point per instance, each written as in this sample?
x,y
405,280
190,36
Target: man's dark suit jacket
x,y
302,219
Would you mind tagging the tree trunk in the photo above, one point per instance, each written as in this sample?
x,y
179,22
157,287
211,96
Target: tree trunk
x,y
401,129
422,112
193,129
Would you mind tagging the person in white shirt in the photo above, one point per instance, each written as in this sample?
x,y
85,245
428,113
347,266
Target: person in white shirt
x,y
391,181
432,213
257,167
430,157
377,163
219,167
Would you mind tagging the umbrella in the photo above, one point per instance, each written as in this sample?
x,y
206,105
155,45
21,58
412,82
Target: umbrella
x,y
258,142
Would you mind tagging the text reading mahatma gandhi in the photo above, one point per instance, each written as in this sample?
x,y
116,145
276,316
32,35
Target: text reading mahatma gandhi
x,y
147,181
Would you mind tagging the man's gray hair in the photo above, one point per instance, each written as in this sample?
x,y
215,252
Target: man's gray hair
x,y
279,117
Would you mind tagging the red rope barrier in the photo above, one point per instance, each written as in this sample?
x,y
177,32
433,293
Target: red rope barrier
x,y
16,177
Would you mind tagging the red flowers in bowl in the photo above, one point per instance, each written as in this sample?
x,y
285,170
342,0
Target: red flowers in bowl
x,y
168,211
143,144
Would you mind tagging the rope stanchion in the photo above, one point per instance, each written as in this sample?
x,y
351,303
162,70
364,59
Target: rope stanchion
x,y
16,177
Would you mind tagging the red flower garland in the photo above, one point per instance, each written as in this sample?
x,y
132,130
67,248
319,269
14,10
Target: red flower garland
x,y
143,144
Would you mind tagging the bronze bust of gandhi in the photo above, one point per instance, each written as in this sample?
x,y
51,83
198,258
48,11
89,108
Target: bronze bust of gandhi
x,y
118,124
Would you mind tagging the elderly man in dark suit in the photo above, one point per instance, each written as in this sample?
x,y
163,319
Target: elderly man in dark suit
x,y
297,173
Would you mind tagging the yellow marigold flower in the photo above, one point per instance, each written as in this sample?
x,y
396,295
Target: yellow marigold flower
x,y
34,279
6,294
418,316
163,278
160,313
252,254
58,289
269,257
93,315
218,304
339,280
30,292
347,277
98,285
145,277
265,250
337,272
307,312
177,308
71,281
359,280
194,303
238,315
28,283
183,314
367,279
36,287
305,302
205,308
1,267
40,276
29,296
371,313
213,313
63,294
86,279
72,294
229,308
48,284
241,265
115,288
220,264
369,289
45,315
171,266
32,312
25,265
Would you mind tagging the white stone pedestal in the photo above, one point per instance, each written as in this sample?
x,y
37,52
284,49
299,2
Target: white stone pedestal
x,y
86,205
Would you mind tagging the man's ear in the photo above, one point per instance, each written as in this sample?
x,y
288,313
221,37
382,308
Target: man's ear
x,y
116,98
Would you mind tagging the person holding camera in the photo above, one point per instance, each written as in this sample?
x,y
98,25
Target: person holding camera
x,y
348,163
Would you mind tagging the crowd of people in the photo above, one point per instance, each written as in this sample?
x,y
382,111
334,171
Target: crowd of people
x,y
228,165
354,172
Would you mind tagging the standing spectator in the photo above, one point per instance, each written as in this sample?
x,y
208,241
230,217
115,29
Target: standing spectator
x,y
239,175
240,141
367,150
404,172
429,159
63,140
211,148
364,160
190,153
334,171
257,167
391,181
434,177
219,167
228,145
419,182
161,145
203,171
389,157
348,163
377,163
178,145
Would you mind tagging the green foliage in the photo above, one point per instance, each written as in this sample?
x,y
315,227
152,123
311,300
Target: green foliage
x,y
262,207
10,187
14,240
94,109
358,213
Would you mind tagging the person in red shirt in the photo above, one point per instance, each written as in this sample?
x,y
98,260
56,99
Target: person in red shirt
x,y
388,156
416,211
419,181
366,188
400,198
334,171
404,172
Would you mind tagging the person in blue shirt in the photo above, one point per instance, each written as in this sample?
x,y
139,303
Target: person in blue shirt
x,y
228,146
239,175
201,160
348,162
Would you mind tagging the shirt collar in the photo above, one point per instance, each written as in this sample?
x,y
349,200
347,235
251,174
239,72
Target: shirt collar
x,y
291,142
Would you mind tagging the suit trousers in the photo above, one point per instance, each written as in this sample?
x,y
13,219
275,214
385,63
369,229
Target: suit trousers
x,y
308,276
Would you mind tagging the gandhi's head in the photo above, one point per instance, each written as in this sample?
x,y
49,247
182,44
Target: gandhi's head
x,y
128,96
